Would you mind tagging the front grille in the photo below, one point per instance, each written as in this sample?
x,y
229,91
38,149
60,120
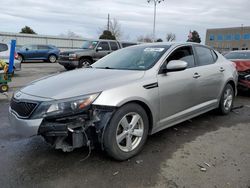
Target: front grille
x,y
22,109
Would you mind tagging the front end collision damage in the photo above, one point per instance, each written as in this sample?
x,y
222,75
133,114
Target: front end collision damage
x,y
86,129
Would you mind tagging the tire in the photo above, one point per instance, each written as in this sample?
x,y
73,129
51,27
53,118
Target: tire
x,y
4,88
84,62
68,67
124,140
226,101
52,58
20,58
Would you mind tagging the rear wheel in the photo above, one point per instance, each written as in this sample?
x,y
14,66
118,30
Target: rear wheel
x,y
226,101
84,62
52,58
4,88
127,132
20,58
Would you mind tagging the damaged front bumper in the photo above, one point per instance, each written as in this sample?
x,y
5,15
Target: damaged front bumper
x,y
24,127
67,133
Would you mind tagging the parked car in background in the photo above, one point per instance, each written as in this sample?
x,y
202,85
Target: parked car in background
x,y
125,96
90,52
242,61
48,53
5,56
127,44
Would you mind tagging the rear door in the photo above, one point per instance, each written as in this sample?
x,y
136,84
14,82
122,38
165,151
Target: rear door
x,y
209,75
42,52
114,46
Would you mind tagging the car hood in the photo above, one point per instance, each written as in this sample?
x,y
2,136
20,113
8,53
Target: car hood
x,y
80,82
74,51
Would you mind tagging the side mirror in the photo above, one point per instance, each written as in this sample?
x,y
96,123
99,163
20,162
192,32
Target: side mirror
x,y
176,65
99,48
27,49
3,47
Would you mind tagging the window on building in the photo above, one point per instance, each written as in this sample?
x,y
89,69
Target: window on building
x,y
228,37
211,37
220,37
246,36
237,36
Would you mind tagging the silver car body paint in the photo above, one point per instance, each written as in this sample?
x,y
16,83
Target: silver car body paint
x,y
176,97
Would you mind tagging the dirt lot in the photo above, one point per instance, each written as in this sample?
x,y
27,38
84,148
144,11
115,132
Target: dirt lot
x,y
207,151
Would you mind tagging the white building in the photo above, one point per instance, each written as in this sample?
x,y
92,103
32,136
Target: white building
x,y
26,39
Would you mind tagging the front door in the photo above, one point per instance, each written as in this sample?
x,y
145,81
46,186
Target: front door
x,y
177,89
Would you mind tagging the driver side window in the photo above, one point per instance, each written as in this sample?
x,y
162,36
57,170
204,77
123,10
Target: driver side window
x,y
185,54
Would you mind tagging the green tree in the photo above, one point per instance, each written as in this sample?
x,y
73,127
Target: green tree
x,y
27,30
107,35
194,37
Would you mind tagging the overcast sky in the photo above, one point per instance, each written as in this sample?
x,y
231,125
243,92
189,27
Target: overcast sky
x,y
84,17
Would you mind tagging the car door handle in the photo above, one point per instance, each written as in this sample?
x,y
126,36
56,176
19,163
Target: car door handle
x,y
222,69
196,75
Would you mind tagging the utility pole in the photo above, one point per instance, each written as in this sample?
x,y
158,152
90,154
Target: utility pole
x,y
155,4
108,23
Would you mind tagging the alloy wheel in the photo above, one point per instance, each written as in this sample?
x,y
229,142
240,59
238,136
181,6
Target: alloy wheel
x,y
129,132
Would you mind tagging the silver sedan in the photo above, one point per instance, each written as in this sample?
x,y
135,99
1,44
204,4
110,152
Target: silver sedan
x,y
124,97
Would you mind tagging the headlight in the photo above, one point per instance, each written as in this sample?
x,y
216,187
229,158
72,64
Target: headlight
x,y
72,56
64,107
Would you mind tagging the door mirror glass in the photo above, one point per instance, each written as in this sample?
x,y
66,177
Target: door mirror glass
x,y
27,49
3,47
99,48
176,65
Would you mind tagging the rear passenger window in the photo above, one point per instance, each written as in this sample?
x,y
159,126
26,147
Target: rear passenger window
x,y
183,53
43,47
204,56
104,45
113,46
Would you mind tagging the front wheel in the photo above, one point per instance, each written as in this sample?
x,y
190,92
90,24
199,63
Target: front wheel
x,y
226,101
84,62
127,132
4,88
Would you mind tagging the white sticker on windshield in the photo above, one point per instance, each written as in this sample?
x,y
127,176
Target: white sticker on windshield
x,y
153,49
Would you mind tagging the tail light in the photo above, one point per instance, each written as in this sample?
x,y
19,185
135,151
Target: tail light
x,y
16,55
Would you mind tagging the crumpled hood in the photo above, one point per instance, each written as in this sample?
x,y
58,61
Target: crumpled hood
x,y
80,82
242,65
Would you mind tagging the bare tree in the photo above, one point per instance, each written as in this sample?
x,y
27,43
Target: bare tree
x,y
115,28
170,37
147,39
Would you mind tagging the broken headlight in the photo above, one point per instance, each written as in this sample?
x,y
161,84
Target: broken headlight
x,y
66,107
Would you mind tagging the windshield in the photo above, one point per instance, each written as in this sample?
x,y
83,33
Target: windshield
x,y
132,58
238,55
89,44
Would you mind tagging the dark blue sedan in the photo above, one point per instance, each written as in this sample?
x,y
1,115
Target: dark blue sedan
x,y
38,52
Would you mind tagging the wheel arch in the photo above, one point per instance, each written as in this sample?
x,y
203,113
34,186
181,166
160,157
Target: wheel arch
x,y
86,57
147,110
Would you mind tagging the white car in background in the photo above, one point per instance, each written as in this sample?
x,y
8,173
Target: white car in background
x,y
5,56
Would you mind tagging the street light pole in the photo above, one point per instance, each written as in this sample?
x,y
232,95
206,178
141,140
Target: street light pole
x,y
155,4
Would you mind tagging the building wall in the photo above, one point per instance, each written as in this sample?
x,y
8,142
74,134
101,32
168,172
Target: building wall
x,y
228,39
26,39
